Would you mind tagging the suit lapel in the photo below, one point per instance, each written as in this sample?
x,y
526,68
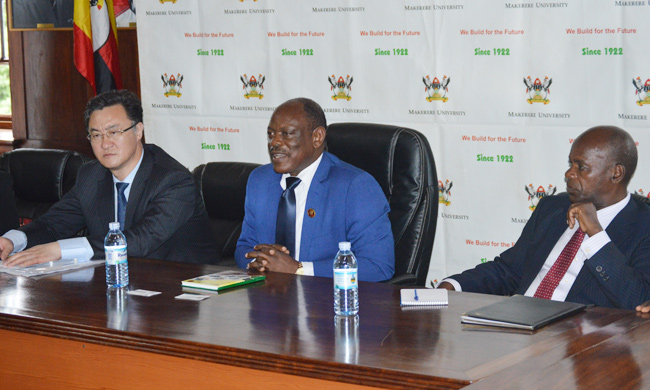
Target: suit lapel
x,y
315,200
554,226
105,201
624,224
138,186
270,206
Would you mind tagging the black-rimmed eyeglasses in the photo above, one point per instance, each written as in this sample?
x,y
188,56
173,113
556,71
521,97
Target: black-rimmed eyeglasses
x,y
113,134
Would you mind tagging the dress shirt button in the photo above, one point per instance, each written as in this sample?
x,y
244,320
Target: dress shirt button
x,y
599,268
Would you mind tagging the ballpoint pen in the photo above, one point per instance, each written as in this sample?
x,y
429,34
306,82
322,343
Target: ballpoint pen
x,y
415,292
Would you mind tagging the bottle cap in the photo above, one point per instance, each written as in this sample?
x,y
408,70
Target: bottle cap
x,y
344,246
114,226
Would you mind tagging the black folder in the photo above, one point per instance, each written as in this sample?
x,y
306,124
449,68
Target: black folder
x,y
521,312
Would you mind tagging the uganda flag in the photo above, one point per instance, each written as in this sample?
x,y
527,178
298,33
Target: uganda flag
x,y
95,44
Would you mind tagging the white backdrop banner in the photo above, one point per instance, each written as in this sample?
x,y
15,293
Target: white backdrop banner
x,y
500,89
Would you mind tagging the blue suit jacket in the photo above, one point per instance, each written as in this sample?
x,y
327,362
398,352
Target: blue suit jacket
x,y
617,276
349,205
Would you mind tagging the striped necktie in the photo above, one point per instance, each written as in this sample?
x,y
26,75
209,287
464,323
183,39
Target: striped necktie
x,y
559,268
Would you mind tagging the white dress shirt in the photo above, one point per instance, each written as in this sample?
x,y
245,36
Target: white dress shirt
x,y
301,191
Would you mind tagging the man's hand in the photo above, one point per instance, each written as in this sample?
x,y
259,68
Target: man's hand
x,y
585,214
275,258
644,307
446,286
6,247
35,255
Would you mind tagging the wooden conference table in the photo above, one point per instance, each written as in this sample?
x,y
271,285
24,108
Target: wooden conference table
x,y
64,331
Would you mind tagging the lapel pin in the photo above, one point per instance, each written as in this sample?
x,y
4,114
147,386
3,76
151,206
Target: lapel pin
x,y
311,213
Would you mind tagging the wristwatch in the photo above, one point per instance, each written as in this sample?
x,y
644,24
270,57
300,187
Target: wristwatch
x,y
300,270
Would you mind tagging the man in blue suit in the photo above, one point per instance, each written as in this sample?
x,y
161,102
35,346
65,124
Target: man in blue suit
x,y
611,266
334,202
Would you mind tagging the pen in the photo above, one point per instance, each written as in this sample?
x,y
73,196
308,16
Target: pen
x,y
415,293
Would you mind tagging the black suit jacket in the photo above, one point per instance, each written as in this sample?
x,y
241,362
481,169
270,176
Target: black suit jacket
x,y
617,276
165,215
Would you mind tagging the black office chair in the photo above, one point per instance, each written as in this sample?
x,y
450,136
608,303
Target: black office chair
x,y
223,188
41,178
401,161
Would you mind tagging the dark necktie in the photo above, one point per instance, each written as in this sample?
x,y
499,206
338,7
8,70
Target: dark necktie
x,y
121,203
285,228
559,268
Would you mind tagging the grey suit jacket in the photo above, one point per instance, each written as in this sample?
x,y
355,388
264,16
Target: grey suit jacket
x,y
165,215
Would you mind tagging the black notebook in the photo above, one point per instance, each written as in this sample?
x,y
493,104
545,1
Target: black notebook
x,y
521,312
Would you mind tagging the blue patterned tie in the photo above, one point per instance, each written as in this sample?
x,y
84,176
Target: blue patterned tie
x,y
285,228
121,203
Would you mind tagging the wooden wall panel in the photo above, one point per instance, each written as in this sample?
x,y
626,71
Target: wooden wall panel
x,y
49,95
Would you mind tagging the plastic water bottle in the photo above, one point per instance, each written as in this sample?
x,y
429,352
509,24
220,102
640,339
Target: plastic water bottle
x,y
346,290
117,267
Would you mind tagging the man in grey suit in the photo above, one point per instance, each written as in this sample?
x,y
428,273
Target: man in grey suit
x,y
164,216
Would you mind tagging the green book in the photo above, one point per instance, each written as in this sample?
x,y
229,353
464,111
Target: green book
x,y
222,280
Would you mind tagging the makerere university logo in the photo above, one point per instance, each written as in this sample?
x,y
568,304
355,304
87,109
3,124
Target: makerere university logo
x,y
435,89
444,192
538,90
642,91
340,88
535,196
172,85
253,87
167,1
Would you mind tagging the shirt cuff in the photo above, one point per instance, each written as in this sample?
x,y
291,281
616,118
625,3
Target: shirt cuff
x,y
592,245
76,248
308,266
452,282
18,238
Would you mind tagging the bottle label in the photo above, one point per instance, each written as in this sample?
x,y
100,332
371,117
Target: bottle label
x,y
115,254
345,279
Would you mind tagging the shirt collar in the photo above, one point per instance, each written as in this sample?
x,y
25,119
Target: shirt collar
x,y
131,176
305,176
607,214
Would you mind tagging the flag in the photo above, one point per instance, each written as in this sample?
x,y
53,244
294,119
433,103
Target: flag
x,y
95,44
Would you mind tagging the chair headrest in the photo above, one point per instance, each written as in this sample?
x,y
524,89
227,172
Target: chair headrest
x,y
42,175
223,188
386,152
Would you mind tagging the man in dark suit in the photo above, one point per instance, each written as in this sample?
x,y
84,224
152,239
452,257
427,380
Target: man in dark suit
x,y
163,218
610,266
334,202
